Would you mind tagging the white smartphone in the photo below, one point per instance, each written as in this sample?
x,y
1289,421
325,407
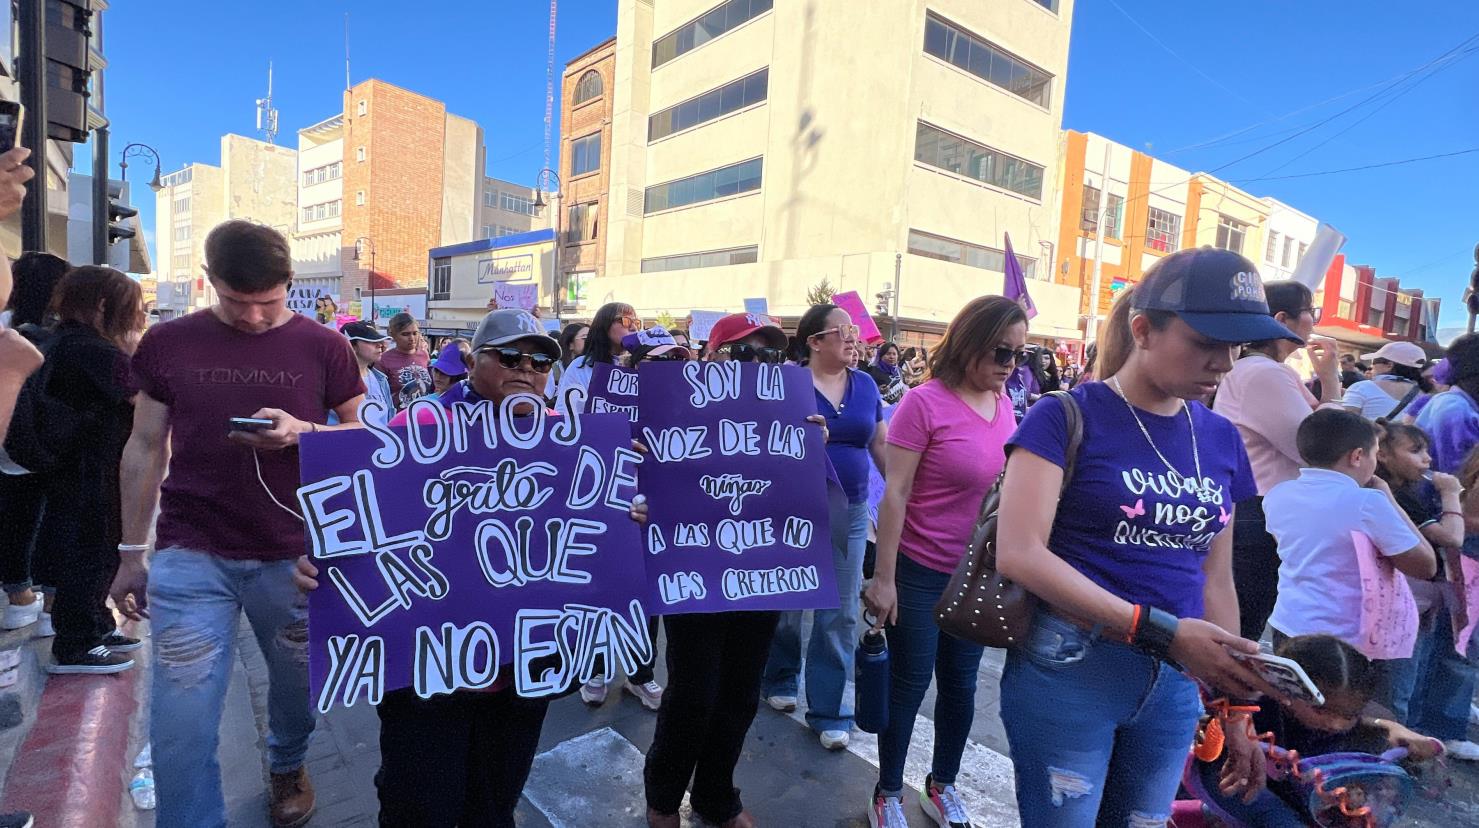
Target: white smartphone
x,y
1284,674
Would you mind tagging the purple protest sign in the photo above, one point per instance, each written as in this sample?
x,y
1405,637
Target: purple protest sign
x,y
478,548
612,390
736,486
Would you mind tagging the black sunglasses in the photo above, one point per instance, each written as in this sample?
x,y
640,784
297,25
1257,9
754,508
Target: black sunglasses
x,y
670,356
740,352
1007,357
513,358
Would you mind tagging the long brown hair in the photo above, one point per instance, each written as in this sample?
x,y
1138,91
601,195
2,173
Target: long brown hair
x,y
972,335
102,299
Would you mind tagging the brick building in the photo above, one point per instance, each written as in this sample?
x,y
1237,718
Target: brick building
x,y
585,154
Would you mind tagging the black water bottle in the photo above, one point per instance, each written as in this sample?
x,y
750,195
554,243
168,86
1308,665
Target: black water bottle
x,y
871,682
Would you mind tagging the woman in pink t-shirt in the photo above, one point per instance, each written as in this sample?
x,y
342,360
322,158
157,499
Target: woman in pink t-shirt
x,y
946,446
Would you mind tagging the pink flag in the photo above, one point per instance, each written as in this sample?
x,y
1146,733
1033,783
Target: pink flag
x,y
1388,610
853,304
1015,285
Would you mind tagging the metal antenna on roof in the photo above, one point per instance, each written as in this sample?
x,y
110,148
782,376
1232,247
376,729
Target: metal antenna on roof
x,y
266,113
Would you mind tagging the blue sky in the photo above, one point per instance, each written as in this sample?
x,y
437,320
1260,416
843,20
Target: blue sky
x,y
1163,76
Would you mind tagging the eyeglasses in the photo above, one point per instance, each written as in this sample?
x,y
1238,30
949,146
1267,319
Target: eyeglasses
x,y
846,331
1007,357
629,322
1315,313
670,356
740,352
513,358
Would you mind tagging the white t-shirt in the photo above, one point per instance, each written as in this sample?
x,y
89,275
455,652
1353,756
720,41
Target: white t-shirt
x,y
1312,518
1371,399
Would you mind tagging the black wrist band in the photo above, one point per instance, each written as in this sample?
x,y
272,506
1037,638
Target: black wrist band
x,y
1156,632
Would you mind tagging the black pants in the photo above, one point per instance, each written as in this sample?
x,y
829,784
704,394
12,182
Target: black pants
x,y
80,611
714,666
22,499
1255,568
457,759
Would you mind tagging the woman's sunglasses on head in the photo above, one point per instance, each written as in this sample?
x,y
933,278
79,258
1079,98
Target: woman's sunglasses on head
x,y
740,352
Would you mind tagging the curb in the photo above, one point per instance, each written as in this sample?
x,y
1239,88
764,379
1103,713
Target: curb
x,y
70,769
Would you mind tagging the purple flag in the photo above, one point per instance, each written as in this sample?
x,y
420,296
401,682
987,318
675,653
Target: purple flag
x,y
1015,284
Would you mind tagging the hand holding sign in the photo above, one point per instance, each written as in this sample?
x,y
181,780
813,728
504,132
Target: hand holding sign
x,y
523,296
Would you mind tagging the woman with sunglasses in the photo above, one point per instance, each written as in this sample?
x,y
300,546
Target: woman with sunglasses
x,y
849,400
612,322
945,449
1264,398
714,662
1132,560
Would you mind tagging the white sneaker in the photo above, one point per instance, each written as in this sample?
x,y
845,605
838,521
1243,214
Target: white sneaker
x,y
21,615
886,812
593,692
834,739
784,704
649,694
1461,749
44,629
1474,714
943,804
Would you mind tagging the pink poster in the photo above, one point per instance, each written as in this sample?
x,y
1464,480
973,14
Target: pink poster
x,y
853,304
1468,589
1388,611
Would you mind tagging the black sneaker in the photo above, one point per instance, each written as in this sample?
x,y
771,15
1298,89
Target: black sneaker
x,y
17,819
99,660
118,643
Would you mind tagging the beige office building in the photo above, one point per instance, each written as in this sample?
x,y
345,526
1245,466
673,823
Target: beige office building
x,y
255,181
758,148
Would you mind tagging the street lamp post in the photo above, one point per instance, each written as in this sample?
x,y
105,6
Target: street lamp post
x,y
100,214
366,240
541,184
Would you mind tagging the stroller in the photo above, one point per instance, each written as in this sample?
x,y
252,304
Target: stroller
x,y
1337,790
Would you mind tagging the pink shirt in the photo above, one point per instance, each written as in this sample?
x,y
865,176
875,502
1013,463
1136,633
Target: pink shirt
x,y
1267,402
961,455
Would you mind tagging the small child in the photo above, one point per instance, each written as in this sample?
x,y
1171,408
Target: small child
x,y
1348,681
1312,518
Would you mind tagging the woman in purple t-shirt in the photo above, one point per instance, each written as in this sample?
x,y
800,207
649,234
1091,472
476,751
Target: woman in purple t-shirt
x,y
1133,562
945,449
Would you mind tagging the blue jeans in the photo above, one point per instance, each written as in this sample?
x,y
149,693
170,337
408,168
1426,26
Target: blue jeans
x,y
1401,681
834,634
1099,731
917,648
1445,689
195,602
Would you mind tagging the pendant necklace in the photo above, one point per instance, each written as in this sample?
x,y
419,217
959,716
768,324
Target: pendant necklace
x,y
1202,495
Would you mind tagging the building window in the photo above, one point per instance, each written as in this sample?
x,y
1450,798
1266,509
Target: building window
x,y
1163,231
1271,252
359,198
359,153
1230,233
182,265
585,154
516,204
1302,247
318,175
716,103
182,233
1113,213
713,23
1288,260
582,227
490,198
706,186
713,258
589,87
319,212
363,107
940,149
182,205
501,230
1050,5
970,255
990,63
441,279
175,179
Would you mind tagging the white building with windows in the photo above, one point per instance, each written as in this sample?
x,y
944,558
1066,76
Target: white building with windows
x,y
507,209
741,165
1290,233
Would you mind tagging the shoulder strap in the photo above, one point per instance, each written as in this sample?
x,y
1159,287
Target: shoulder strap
x,y
1404,402
1074,420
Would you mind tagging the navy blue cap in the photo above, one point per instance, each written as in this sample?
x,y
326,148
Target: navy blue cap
x,y
1217,292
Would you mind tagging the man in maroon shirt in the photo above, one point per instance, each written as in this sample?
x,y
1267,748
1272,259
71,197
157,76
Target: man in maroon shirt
x,y
227,533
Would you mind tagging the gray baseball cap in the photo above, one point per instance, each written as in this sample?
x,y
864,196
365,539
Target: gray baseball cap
x,y
508,325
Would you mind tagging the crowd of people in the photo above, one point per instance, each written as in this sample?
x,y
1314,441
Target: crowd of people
x,y
1180,495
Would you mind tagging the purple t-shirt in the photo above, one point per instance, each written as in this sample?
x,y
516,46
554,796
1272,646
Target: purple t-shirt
x,y
1131,525
1021,387
208,372
961,456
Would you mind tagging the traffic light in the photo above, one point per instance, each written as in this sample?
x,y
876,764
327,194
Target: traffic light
x,y
118,213
70,61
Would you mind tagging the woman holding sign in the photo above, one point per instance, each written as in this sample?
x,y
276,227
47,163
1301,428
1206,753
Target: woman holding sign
x,y
613,321
1132,559
849,400
946,446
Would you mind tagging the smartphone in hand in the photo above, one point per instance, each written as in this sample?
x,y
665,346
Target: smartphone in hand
x,y
11,114
1285,675
250,424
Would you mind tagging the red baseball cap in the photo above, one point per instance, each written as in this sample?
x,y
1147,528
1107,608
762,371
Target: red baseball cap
x,y
737,326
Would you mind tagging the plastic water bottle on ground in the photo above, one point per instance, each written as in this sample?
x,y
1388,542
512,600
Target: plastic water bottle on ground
x,y
142,789
145,758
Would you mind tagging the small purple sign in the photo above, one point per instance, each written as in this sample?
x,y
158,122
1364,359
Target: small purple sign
x,y
612,390
476,548
736,485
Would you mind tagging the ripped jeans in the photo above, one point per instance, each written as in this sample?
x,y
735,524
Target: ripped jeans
x,y
195,602
1099,730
